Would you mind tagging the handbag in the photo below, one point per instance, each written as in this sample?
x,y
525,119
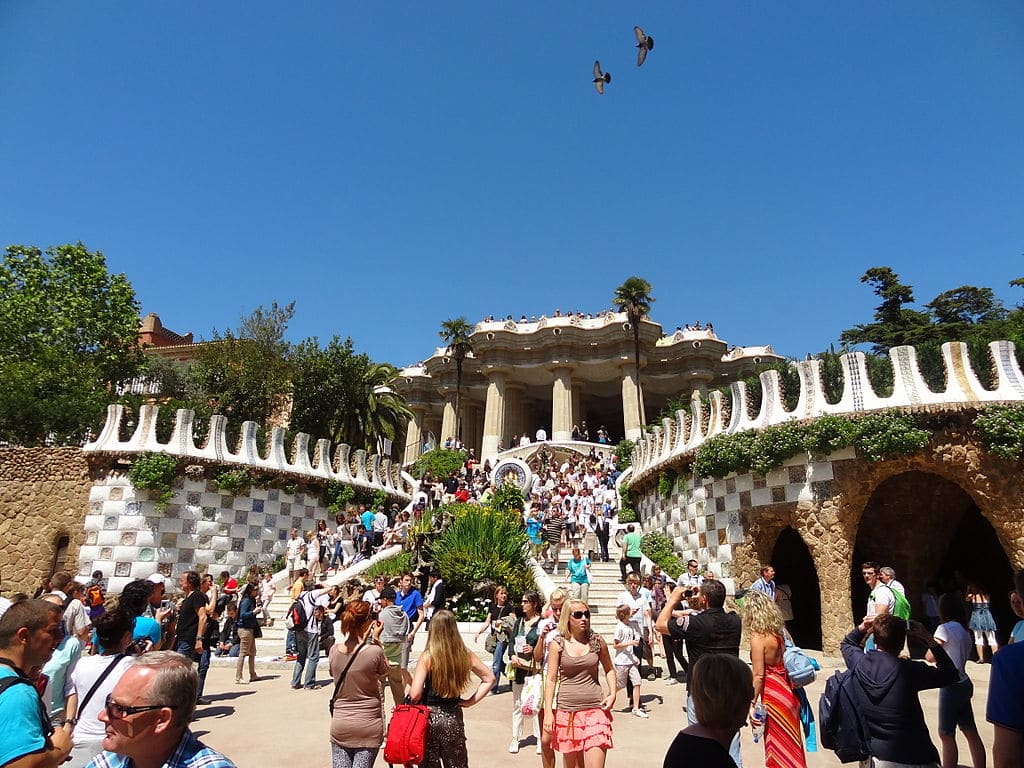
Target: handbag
x,y
341,677
407,734
531,699
491,642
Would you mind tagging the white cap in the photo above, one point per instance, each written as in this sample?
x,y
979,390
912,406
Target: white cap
x,y
157,578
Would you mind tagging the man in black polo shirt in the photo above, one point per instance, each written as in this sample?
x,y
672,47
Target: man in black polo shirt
x,y
713,630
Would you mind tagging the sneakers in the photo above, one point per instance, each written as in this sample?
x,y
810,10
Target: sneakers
x,y
290,657
671,681
540,751
513,746
641,713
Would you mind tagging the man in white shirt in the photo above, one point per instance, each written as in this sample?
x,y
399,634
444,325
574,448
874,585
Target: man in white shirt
x,y
766,584
293,553
887,576
690,577
880,599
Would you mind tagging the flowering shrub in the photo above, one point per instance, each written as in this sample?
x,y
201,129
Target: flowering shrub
x,y
1001,429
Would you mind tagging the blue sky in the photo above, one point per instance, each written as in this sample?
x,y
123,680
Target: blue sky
x,y
391,165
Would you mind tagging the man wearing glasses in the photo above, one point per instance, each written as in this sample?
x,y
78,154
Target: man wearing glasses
x,y
147,714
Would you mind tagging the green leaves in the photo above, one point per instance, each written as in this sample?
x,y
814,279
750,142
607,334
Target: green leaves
x,y
155,472
658,547
68,337
439,462
1001,429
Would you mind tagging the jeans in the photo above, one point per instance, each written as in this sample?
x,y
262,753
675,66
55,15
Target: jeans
x,y
307,655
338,556
498,662
204,667
602,539
734,748
289,642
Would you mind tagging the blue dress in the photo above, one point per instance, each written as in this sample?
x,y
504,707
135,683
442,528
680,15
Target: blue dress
x,y
981,618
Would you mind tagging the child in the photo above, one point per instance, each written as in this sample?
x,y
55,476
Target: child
x,y
394,634
627,665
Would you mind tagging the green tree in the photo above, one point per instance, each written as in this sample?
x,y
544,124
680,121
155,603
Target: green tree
x,y
68,339
247,373
383,414
327,389
966,305
634,298
894,324
455,333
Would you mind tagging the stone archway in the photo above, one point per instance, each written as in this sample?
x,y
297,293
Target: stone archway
x,y
795,567
926,527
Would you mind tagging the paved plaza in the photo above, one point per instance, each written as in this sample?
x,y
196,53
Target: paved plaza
x,y
267,724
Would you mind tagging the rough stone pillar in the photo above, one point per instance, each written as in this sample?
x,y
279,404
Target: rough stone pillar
x,y
447,421
414,435
494,415
630,397
515,418
561,404
579,413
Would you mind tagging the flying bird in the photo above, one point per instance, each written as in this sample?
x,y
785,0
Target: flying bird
x,y
643,44
600,78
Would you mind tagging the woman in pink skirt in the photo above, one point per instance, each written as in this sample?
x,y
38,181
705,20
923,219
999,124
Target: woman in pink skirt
x,y
580,721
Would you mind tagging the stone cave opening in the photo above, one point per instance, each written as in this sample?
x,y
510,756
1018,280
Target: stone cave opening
x,y
794,567
928,529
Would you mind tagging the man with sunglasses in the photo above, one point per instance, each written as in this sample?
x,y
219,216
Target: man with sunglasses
x,y
147,714
29,631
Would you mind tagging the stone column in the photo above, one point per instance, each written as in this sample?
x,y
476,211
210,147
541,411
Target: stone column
x,y
414,435
447,421
578,411
561,404
630,397
514,417
494,415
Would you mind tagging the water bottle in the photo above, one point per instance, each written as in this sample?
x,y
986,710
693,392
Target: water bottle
x,y
757,722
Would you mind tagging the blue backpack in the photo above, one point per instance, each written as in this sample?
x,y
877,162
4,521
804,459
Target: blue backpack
x,y
839,723
800,668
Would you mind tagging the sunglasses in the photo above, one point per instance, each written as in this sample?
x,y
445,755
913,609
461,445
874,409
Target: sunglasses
x,y
580,614
117,711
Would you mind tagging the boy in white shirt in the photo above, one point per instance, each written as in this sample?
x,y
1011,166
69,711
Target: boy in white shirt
x,y
627,665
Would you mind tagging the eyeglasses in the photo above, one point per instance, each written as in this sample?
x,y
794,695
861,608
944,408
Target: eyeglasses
x,y
580,614
117,711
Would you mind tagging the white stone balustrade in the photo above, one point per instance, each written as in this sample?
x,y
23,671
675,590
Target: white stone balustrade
x,y
671,440
373,473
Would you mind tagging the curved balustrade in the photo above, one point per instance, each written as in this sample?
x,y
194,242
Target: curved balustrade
x,y
675,438
374,473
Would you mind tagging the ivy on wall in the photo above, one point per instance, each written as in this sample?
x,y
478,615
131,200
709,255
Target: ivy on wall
x,y
155,472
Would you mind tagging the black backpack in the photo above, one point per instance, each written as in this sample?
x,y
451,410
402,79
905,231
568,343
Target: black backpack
x,y
841,728
297,618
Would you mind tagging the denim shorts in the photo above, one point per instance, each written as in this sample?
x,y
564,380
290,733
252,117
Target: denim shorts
x,y
955,707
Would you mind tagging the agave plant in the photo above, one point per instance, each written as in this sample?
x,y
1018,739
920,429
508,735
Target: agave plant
x,y
482,545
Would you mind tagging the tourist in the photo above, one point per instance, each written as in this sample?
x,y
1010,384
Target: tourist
x,y
533,528
885,690
631,553
766,585
547,633
783,745
393,635
248,631
293,553
313,555
722,689
435,599
880,599
579,719
229,644
497,640
691,577
147,714
147,633
76,617
267,591
1005,704
1017,606
192,617
325,543
524,639
372,596
955,708
639,618
92,679
442,674
982,624
712,630
307,640
29,631
603,531
887,576
294,591
553,532
209,635
357,716
627,663
411,601
577,574
58,671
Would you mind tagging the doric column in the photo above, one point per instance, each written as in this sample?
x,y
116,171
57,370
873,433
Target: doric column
x,y
447,421
494,414
414,434
561,404
630,398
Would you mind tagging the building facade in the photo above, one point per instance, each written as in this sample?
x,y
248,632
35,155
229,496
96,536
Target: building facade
x,y
561,372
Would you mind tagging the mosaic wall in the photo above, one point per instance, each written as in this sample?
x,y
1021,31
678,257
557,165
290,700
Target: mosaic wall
x,y
702,517
127,538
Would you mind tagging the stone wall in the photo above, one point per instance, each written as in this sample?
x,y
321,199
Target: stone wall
x,y
44,495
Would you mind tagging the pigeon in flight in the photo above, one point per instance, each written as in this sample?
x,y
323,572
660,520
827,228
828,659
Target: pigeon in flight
x,y
600,78
643,44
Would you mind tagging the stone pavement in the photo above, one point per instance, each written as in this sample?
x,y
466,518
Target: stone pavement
x,y
268,725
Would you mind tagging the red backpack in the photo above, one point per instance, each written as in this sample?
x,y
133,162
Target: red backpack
x,y
94,596
407,734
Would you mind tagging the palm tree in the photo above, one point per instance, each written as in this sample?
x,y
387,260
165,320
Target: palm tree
x,y
455,334
383,412
634,298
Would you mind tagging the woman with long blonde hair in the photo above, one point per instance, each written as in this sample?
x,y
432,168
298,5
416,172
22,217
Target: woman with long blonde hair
x,y
579,720
442,674
783,739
